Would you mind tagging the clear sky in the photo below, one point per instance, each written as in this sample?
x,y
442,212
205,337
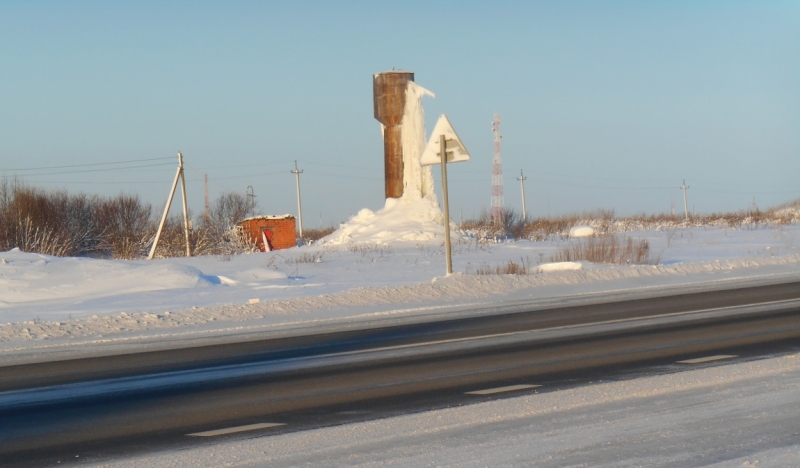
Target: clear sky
x,y
603,104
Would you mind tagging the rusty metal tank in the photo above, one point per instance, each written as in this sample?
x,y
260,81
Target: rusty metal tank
x,y
389,97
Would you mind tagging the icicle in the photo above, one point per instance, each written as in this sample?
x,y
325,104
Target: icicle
x,y
417,180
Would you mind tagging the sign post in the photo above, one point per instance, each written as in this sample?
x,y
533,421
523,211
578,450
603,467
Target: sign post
x,y
450,149
448,256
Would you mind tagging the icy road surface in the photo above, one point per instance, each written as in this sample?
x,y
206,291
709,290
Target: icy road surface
x,y
741,414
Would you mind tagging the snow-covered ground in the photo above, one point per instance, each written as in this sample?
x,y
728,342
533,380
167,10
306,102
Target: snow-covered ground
x,y
54,303
737,415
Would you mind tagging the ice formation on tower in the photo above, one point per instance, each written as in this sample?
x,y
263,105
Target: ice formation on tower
x,y
416,216
417,180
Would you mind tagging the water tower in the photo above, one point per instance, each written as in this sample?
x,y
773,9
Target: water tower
x,y
389,96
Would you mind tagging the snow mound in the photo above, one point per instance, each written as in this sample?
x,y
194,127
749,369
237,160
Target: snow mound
x,y
250,276
581,231
558,266
26,277
404,219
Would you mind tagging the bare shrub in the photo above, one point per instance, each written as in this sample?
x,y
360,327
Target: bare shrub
x,y
172,242
312,235
311,257
218,234
509,268
230,208
606,249
48,222
203,240
126,226
485,228
236,241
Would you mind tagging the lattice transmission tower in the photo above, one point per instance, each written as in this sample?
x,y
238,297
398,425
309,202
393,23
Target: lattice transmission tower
x,y
498,203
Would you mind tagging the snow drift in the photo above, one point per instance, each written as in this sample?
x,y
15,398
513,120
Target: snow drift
x,y
400,220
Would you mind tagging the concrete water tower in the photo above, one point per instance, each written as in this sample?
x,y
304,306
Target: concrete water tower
x,y
389,96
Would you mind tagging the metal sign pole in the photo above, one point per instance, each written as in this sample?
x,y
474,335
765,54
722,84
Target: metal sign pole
x,y
443,152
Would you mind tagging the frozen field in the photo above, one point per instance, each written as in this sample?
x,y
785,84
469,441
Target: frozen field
x,y
48,302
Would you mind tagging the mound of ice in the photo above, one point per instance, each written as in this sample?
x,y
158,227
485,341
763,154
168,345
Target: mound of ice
x,y
558,266
250,275
581,231
400,220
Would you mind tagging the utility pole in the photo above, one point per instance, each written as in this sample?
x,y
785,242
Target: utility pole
x,y
685,204
182,177
185,207
297,173
251,199
206,213
521,180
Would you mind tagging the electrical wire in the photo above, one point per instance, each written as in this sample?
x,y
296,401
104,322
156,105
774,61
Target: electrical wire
x,y
83,171
346,176
83,165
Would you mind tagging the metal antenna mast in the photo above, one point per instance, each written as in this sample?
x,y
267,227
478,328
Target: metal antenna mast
x,y
498,203
685,204
521,180
297,173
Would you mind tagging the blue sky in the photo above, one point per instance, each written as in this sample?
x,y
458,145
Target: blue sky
x,y
603,104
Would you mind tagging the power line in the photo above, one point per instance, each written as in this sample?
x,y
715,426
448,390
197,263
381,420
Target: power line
x,y
83,165
84,171
346,176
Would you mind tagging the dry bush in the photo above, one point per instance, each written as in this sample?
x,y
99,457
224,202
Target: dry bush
x,y
228,209
604,222
236,241
509,224
48,222
203,240
311,257
172,242
548,228
509,268
312,235
606,249
126,226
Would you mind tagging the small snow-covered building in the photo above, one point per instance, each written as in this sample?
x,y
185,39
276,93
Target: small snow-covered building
x,y
270,232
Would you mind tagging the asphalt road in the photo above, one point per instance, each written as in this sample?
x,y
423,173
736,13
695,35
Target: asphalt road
x,y
94,409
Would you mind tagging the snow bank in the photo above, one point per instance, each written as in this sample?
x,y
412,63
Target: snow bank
x,y
368,303
48,301
46,287
28,277
559,266
581,231
406,219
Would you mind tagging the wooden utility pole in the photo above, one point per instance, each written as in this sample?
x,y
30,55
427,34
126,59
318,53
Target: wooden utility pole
x,y
178,175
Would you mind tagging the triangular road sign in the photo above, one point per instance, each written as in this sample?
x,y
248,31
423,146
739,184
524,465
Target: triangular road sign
x,y
456,151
